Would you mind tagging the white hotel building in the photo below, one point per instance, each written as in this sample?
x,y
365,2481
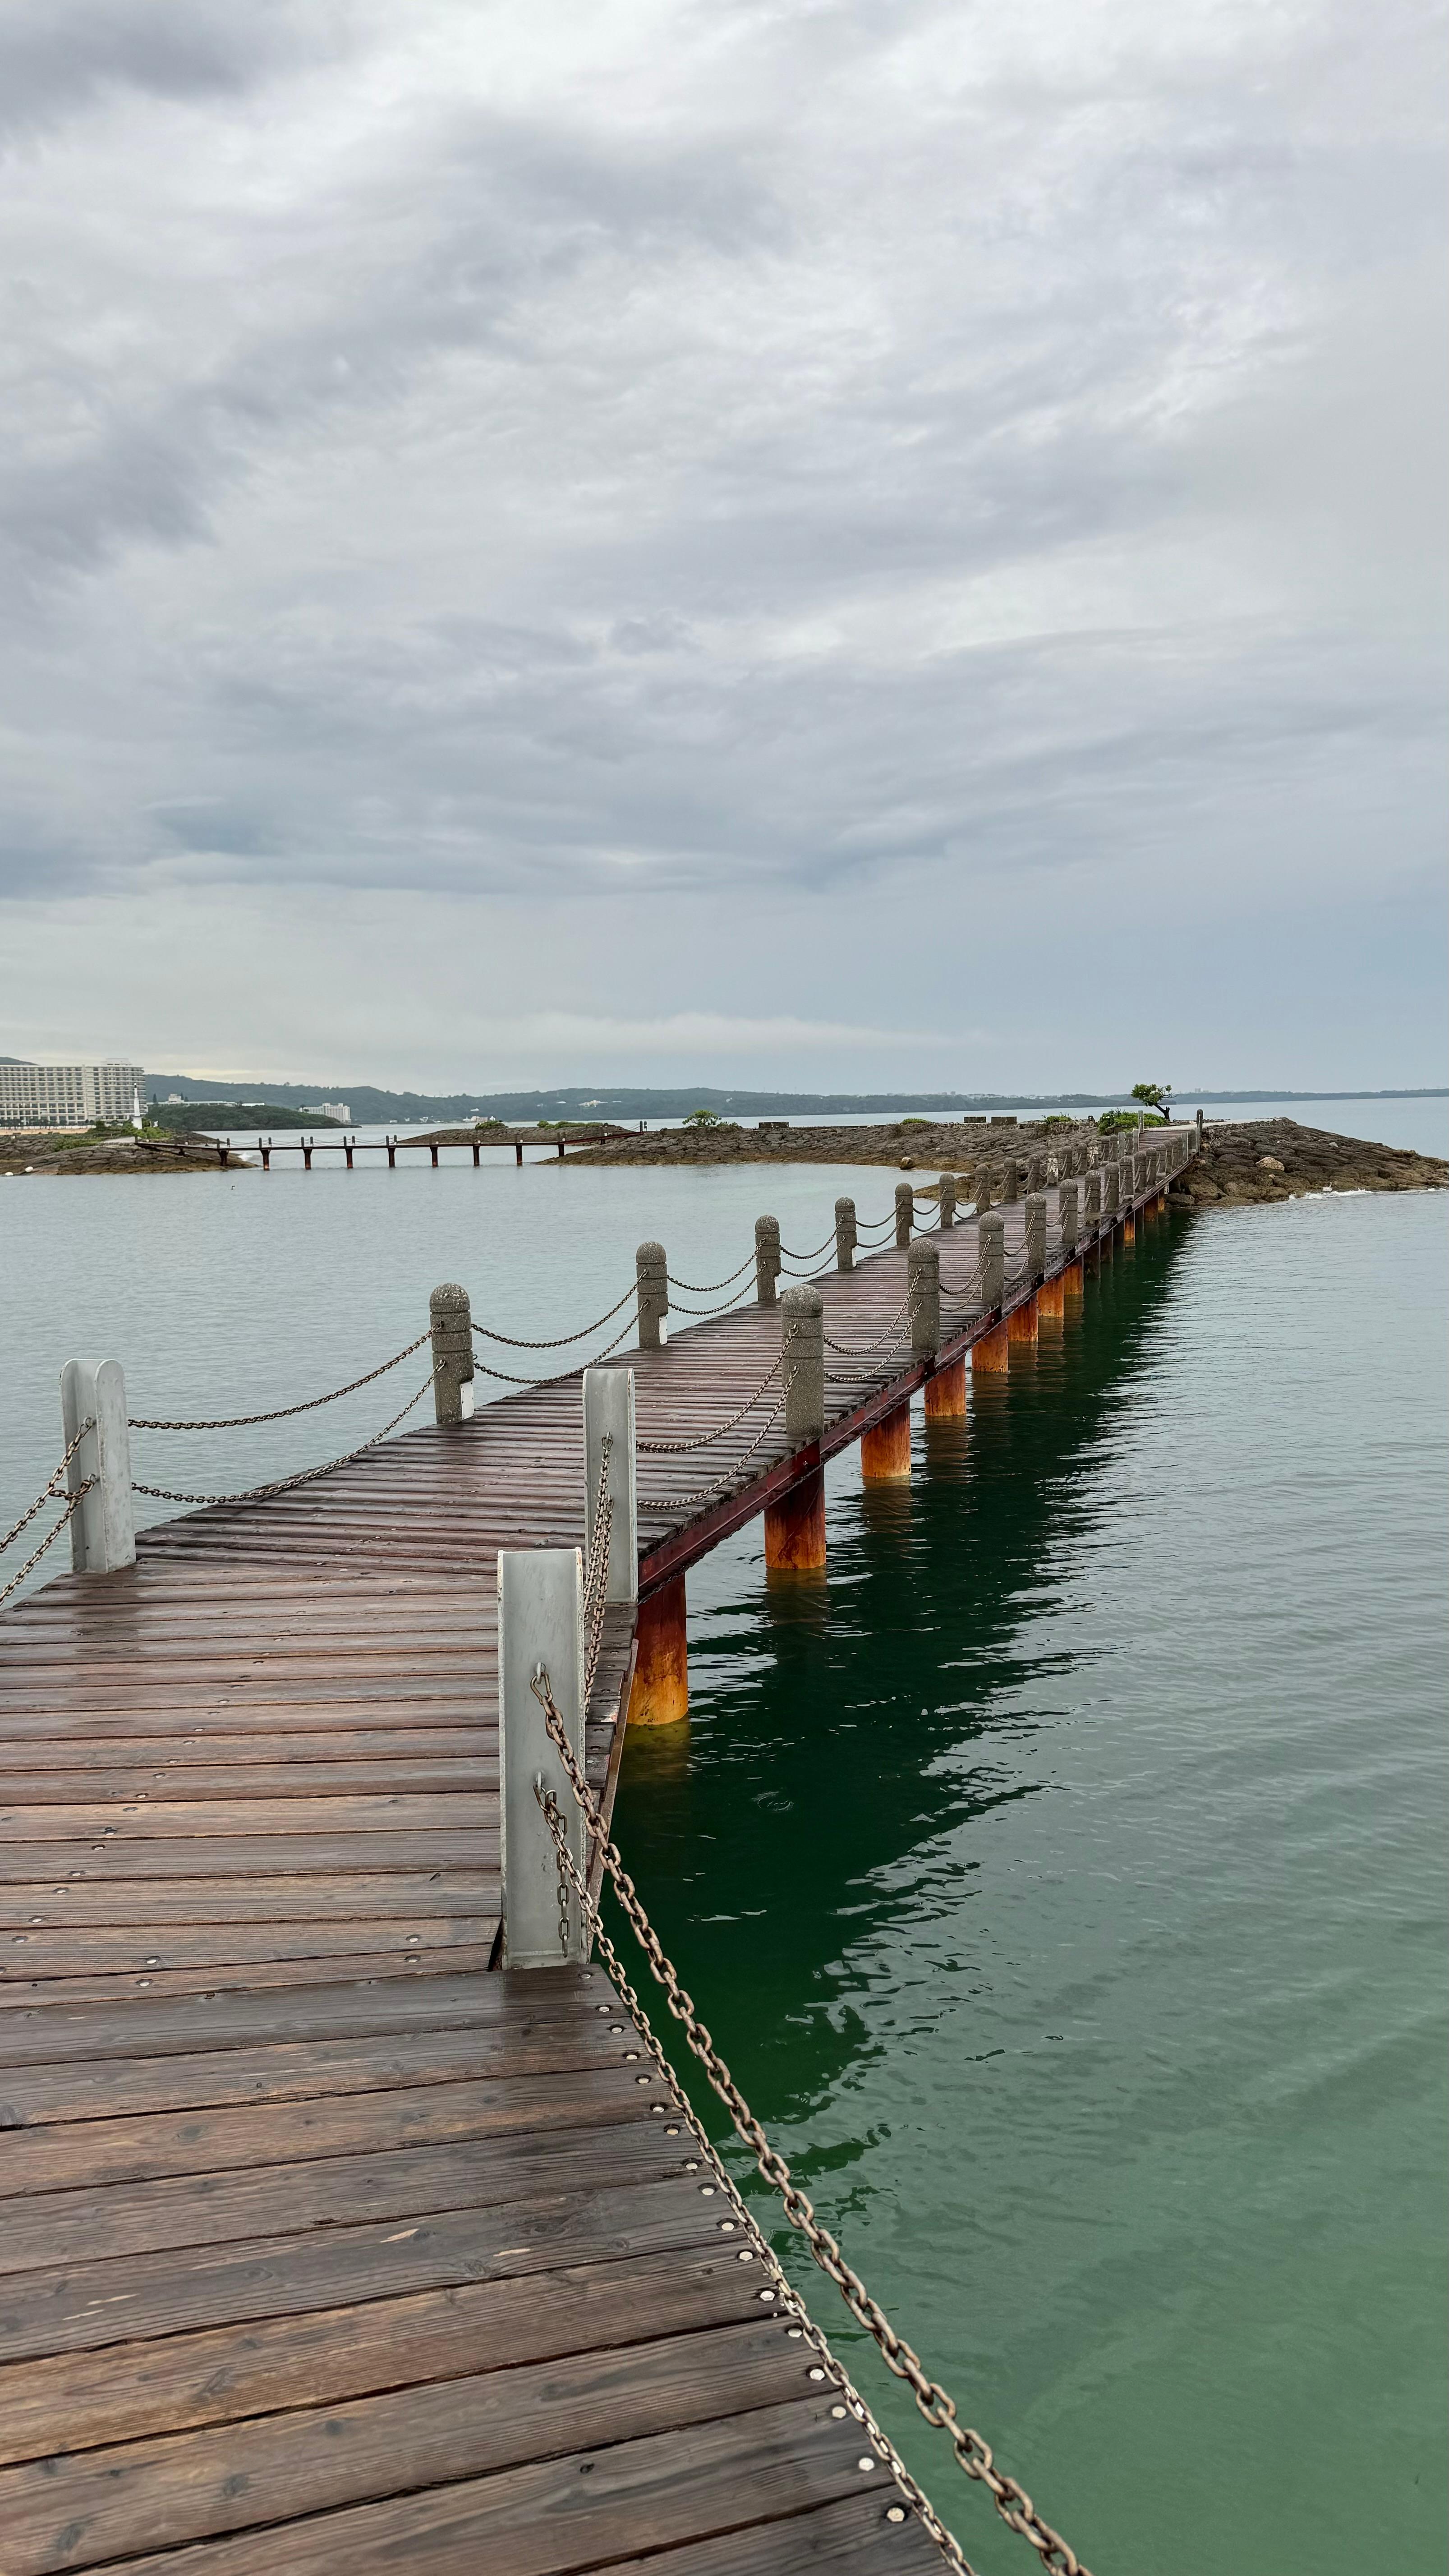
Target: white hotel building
x,y
67,1095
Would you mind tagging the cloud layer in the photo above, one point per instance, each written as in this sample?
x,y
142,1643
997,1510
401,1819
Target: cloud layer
x,y
617,538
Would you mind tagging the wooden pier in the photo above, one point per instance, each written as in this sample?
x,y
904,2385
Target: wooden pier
x,y
327,2244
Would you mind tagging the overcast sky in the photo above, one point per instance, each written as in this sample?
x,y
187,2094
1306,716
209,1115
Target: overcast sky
x,y
891,543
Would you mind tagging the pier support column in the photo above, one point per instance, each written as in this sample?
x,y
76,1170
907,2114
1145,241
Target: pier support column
x,y
992,1353
660,1696
1051,1297
1073,1282
795,1525
1021,1323
885,1451
946,1393
795,1528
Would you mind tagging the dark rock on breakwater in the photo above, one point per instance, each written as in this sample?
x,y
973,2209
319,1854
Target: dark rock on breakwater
x,y
1263,1159
66,1156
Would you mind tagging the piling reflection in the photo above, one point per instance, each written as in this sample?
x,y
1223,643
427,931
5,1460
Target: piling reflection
x,y
842,1728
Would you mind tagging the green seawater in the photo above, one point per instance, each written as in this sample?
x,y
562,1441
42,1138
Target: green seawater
x,y
1062,1876
1063,1879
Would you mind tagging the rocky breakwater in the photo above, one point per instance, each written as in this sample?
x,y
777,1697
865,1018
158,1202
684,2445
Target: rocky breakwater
x,y
66,1157
906,1145
1265,1159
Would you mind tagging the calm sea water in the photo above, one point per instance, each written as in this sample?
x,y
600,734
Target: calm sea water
x,y
1061,1876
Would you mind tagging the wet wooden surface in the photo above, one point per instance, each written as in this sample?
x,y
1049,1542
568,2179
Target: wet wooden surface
x,y
324,2242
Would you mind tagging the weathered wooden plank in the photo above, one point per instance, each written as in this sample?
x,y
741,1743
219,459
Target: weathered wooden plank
x,y
84,2153
79,2510
355,1895
278,2199
560,2517
101,2088
80,2307
367,1963
77,2401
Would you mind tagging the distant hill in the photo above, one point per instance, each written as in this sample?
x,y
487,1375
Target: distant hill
x,y
371,1106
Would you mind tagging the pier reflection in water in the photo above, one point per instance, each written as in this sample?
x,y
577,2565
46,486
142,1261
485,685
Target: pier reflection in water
x,y
1060,1879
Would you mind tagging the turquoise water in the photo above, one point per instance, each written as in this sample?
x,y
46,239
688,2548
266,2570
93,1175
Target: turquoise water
x,y
1063,1875
1063,1880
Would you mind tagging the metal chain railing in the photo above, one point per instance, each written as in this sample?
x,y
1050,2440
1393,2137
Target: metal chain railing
x,y
72,1504
861,1350
283,1413
305,1475
973,2455
560,1341
703,1439
708,1287
779,2292
703,1493
510,1377
48,1493
596,1572
724,1306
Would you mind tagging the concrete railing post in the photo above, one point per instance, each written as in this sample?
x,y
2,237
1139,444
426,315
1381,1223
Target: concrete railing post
x,y
1035,1215
103,1524
651,1268
767,1259
802,1350
923,1307
1092,1199
1010,1182
1067,1209
1199,1131
948,1201
845,1235
981,1188
1111,1189
991,1234
609,1410
451,1326
905,1215
540,1621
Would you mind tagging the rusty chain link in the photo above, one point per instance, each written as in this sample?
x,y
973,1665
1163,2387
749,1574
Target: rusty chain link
x,y
781,2294
596,1573
708,1287
672,1448
284,1412
305,1475
702,1493
560,1341
509,1377
973,2454
48,1494
72,1502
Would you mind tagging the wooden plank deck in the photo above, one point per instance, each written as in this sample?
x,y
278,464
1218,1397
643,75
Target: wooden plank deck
x,y
324,2243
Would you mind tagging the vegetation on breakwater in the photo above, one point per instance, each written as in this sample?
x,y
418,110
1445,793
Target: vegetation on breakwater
x,y
59,1152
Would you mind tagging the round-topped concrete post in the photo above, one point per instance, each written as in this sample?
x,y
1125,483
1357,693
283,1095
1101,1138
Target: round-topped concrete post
x,y
923,1298
1092,1199
795,1525
450,1325
652,1271
1067,1210
845,1235
1111,1189
947,1196
990,1352
802,1353
905,1215
981,1188
1010,1182
1035,1215
767,1259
